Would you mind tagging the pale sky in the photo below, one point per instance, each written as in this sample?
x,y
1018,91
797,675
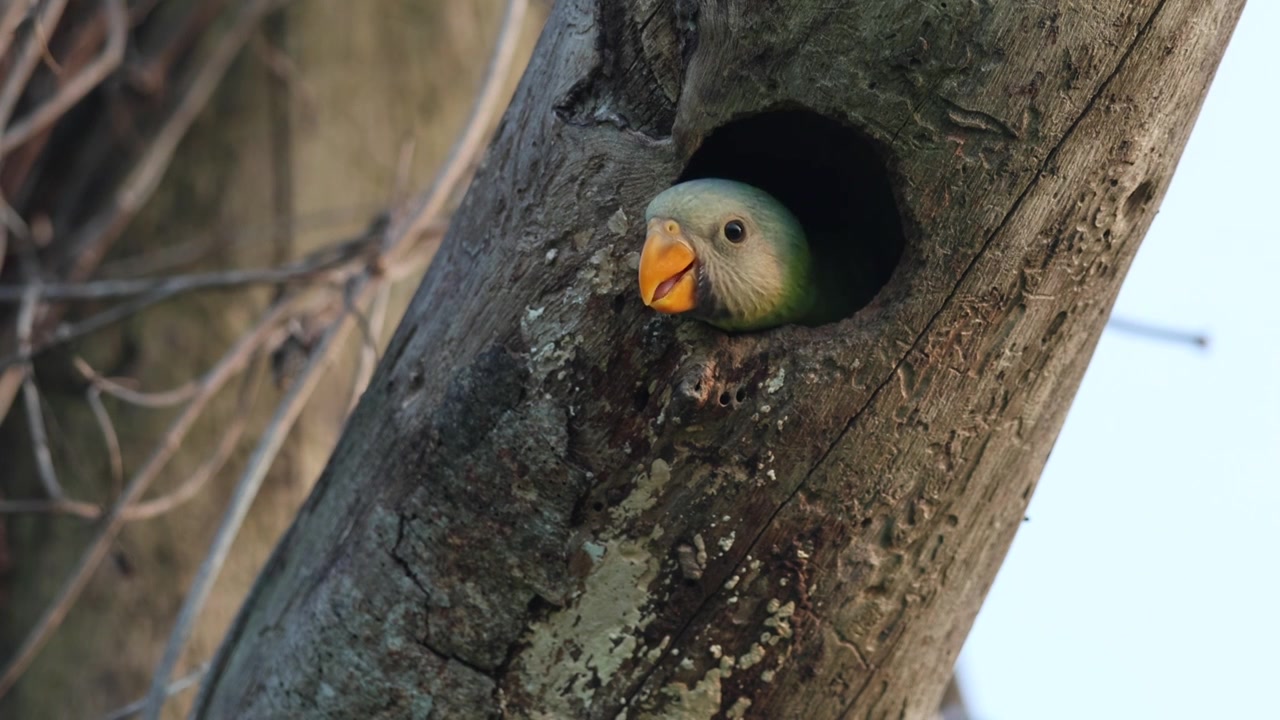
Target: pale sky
x,y
1147,582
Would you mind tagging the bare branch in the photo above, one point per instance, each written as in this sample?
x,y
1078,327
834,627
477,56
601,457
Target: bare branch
x,y
242,498
404,165
469,147
79,86
164,289
90,325
168,287
90,239
247,238
16,81
88,242
61,506
147,509
163,399
234,361
10,383
1154,332
186,681
372,326
30,394
93,396
11,376
40,437
10,20
466,152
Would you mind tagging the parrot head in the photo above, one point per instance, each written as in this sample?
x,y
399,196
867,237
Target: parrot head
x,y
726,253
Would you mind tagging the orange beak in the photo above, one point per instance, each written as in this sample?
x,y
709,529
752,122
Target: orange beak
x,y
668,269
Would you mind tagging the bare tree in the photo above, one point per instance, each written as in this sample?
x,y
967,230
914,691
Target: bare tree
x,y
551,503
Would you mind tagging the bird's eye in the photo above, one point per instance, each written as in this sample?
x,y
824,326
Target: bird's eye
x,y
734,231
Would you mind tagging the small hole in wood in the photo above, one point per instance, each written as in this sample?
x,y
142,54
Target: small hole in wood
x,y
1139,198
741,395
836,182
725,398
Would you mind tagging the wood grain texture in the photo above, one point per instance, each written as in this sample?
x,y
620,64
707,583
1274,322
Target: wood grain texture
x,y
553,503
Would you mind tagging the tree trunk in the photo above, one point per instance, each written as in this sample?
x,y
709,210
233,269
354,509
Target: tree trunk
x,y
555,503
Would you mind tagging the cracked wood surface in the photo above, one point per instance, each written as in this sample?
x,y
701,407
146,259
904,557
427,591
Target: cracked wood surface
x,y
553,503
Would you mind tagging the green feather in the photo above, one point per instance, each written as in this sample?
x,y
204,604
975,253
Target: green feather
x,y
766,280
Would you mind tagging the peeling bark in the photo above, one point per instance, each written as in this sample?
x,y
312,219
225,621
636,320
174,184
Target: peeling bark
x,y
553,503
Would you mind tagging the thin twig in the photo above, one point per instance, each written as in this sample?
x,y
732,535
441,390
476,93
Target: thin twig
x,y
93,396
88,243
46,34
148,509
404,167
90,240
40,437
146,176
231,363
10,222
168,287
1154,332
241,499
10,383
30,393
79,86
62,506
66,333
471,144
154,400
468,148
175,687
249,238
10,20
331,260
20,72
11,377
413,262
373,326
273,36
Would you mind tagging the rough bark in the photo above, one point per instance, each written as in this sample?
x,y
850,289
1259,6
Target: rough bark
x,y
281,166
554,503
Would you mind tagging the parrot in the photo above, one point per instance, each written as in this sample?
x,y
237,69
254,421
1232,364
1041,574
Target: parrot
x,y
731,255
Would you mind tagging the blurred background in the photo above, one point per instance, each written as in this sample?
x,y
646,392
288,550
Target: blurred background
x,y
220,135
1138,586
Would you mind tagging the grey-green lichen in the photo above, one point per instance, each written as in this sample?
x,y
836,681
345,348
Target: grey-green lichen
x,y
580,647
645,495
575,651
